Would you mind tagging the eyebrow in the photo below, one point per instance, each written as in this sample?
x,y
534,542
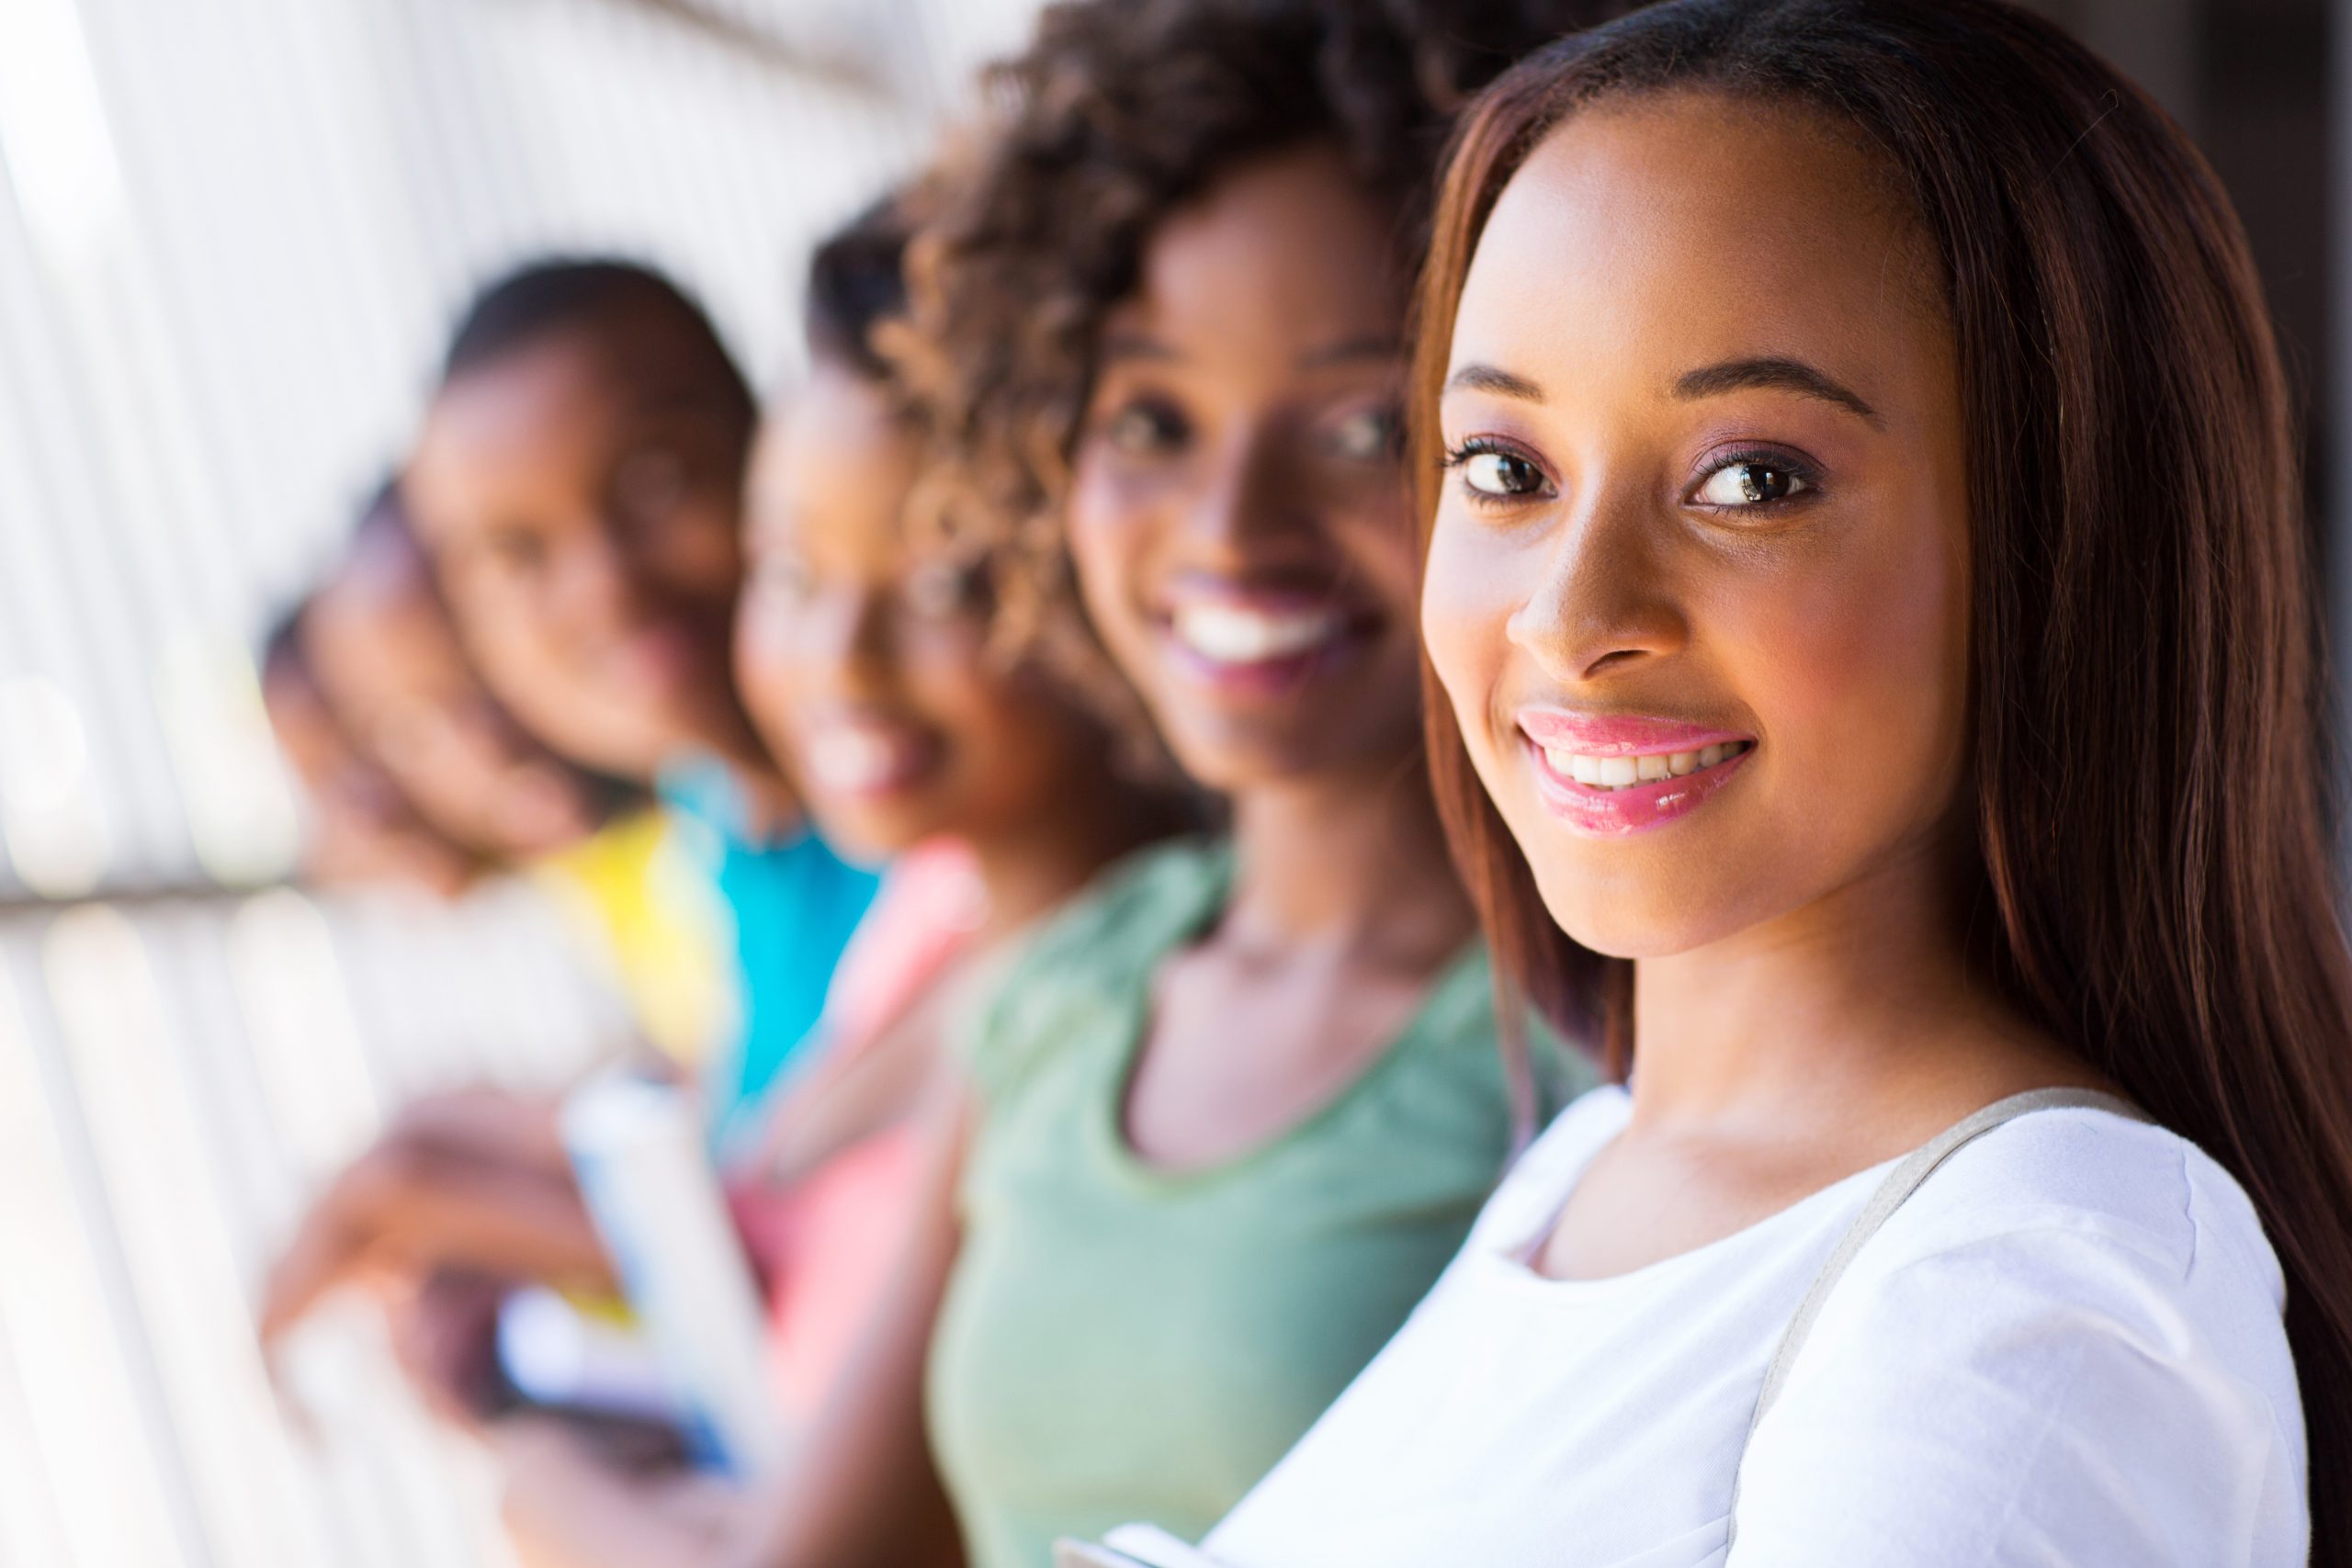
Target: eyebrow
x,y
1502,383
1349,350
1139,346
1774,374
1134,345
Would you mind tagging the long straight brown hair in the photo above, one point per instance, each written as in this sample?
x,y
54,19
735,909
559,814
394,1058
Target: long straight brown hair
x,y
2154,872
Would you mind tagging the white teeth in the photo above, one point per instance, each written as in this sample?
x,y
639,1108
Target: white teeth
x,y
1232,635
1623,773
852,761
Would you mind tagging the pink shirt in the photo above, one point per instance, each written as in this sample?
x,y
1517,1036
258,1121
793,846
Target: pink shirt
x,y
828,1243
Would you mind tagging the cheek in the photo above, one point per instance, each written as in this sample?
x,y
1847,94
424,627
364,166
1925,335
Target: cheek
x,y
1106,535
1379,538
532,672
1857,666
510,616
763,653
1009,745
701,546
1467,598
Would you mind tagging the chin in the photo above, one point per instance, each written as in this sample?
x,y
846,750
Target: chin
x,y
870,835
1229,769
1635,921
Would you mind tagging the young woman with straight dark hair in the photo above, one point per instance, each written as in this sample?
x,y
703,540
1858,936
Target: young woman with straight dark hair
x,y
1869,608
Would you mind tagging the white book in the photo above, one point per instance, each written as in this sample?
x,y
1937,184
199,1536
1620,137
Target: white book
x,y
1131,1546
638,1150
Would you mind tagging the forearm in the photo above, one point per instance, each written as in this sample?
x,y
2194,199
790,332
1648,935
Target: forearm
x,y
882,1085
863,1492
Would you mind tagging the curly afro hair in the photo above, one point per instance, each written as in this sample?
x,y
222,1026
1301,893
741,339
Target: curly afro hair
x,y
1119,113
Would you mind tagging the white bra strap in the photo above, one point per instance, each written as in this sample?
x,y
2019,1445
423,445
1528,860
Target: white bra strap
x,y
1900,1183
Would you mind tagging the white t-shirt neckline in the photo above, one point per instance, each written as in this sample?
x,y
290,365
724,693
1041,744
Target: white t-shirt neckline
x,y
1510,1252
2067,1347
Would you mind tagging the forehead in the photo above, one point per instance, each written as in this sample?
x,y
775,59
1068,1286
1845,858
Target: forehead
x,y
835,419
577,393
832,466
1287,249
563,387
1699,227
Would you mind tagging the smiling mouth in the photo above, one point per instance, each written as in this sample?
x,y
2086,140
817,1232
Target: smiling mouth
x,y
1616,772
1251,643
1232,634
662,657
867,757
1606,776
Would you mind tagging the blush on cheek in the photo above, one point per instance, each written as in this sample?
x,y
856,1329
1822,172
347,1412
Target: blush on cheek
x,y
762,640
1466,604
1101,560
1858,672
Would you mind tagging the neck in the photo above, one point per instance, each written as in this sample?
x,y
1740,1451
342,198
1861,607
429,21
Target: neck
x,y
1356,861
1866,992
771,806
1034,865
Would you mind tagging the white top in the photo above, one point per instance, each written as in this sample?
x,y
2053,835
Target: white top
x,y
2065,1349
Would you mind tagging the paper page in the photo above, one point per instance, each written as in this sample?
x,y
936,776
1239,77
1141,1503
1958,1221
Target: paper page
x,y
1155,1547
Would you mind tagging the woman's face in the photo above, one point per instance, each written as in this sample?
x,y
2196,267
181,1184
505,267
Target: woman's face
x,y
1238,517
865,657
363,831
583,503
1698,585
389,660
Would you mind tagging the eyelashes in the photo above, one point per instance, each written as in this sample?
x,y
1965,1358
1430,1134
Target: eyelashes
x,y
1495,474
1753,480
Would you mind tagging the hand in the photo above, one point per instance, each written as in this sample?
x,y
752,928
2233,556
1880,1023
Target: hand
x,y
445,1337
566,1507
473,1181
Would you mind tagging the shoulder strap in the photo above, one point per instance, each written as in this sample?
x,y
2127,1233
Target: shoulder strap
x,y
1900,1183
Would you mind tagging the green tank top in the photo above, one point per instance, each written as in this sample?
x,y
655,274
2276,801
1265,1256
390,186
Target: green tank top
x,y
1120,1342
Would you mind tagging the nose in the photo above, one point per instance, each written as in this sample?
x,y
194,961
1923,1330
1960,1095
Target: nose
x,y
1250,497
1604,603
594,590
845,637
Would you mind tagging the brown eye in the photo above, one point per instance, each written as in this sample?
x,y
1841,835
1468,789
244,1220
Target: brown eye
x,y
1367,435
1749,484
1145,429
1501,475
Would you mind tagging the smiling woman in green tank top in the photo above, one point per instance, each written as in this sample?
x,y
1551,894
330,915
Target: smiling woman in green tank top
x,y
1094,1282
1232,1114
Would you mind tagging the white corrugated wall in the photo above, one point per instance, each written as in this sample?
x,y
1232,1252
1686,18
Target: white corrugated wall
x,y
231,235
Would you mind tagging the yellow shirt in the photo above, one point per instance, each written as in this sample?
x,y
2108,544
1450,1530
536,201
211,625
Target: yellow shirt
x,y
652,923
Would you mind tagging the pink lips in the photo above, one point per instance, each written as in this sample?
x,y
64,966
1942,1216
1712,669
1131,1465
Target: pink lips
x,y
1612,813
